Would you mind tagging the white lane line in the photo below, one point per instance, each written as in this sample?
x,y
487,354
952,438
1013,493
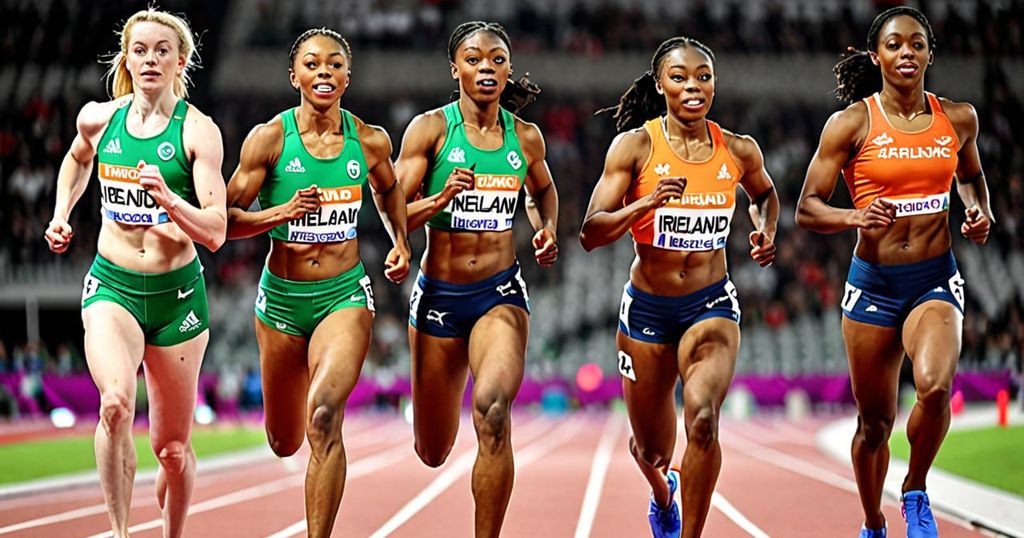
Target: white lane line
x,y
790,463
598,471
359,468
462,465
730,511
294,529
101,508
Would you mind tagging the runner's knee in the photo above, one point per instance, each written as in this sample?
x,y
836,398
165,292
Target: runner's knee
x,y
433,455
324,425
874,429
283,445
115,411
649,455
172,457
703,430
492,417
933,393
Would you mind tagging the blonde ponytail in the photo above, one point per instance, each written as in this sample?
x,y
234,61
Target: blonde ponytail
x,y
121,79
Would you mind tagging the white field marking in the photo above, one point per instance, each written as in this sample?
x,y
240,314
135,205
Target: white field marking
x,y
730,511
598,471
790,463
461,466
361,467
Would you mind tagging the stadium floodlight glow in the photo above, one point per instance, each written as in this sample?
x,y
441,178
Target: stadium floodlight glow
x,y
204,414
62,417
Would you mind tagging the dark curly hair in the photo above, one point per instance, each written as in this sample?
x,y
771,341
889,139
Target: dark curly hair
x,y
856,76
642,101
313,32
517,93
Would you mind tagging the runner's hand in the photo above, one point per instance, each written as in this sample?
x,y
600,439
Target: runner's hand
x,y
545,247
762,248
977,225
58,235
878,214
666,189
461,179
304,201
152,180
396,265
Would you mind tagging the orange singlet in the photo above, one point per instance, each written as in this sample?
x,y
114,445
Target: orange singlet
x,y
700,220
913,170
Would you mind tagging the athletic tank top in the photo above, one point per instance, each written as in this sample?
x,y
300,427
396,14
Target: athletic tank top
x,y
120,159
340,180
498,175
913,170
700,220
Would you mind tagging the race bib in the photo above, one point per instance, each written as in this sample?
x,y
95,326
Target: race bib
x,y
489,207
926,205
696,222
122,198
334,222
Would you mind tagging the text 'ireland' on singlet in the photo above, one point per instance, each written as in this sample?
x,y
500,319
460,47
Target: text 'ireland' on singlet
x,y
121,157
339,179
701,219
912,170
499,174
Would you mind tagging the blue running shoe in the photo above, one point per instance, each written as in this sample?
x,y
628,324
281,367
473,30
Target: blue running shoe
x,y
872,533
665,522
918,513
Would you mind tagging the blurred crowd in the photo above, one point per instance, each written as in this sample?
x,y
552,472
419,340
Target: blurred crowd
x,y
809,272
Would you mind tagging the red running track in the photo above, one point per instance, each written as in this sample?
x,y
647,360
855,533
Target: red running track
x,y
574,478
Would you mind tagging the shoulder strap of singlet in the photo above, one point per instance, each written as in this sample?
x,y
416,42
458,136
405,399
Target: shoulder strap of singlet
x,y
717,138
508,123
288,122
348,125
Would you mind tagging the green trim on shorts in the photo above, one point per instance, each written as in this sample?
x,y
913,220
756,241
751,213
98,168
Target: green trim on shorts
x,y
170,307
296,307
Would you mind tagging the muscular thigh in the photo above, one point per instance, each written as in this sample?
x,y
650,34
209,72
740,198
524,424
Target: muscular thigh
x,y
172,379
284,372
707,360
336,353
114,347
497,349
874,353
932,338
649,377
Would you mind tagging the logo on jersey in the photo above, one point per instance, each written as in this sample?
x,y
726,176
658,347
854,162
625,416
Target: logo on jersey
x,y
165,151
882,140
662,169
506,289
353,169
190,323
434,315
944,140
295,166
723,173
514,160
457,155
114,146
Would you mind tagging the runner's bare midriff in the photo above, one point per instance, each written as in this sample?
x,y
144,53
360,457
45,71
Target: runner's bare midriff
x,y
312,261
673,273
910,239
146,249
466,257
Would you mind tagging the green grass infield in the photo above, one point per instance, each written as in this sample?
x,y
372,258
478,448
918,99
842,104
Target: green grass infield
x,y
45,458
989,455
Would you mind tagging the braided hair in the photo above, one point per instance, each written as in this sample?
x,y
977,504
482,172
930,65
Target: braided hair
x,y
857,76
313,32
642,101
517,93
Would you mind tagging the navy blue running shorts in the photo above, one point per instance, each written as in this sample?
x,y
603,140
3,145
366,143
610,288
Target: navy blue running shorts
x,y
885,294
659,319
449,310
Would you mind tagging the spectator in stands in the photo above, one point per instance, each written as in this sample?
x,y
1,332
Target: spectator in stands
x,y
144,296
898,148
314,309
462,167
670,179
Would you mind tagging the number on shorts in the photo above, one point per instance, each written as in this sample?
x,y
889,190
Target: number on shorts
x,y
626,366
89,286
850,297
